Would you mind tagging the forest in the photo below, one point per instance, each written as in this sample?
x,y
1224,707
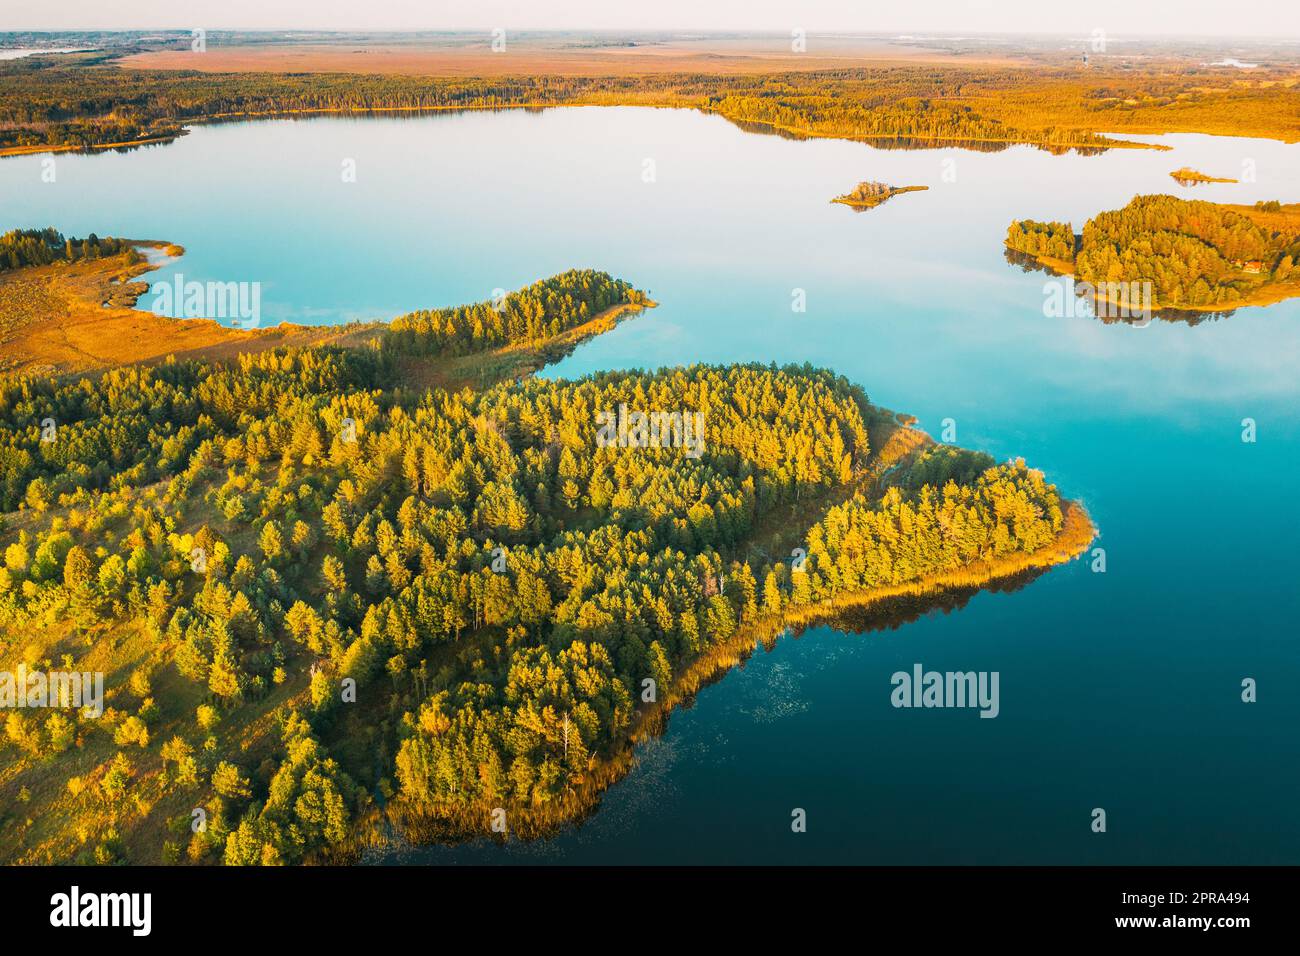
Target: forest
x,y
1194,254
322,595
1043,240
40,247
526,317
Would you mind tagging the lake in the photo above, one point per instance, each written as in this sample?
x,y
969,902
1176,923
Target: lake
x,y
1119,690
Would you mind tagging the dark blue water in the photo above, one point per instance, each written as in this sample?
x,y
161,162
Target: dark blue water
x,y
1119,690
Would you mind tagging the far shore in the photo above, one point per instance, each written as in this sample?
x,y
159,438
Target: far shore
x,y
800,132
77,148
1192,177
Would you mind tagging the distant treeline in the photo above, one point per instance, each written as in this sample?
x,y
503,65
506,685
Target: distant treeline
x,y
49,102
40,247
53,104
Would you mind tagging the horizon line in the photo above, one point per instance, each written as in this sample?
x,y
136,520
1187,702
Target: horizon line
x,y
899,33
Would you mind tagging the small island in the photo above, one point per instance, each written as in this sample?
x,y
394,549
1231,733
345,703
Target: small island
x,y
870,195
1182,255
1191,177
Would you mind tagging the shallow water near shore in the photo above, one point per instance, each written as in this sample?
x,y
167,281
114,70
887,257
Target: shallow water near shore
x,y
1119,690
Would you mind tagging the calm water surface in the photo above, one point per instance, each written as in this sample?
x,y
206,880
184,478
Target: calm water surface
x,y
1118,690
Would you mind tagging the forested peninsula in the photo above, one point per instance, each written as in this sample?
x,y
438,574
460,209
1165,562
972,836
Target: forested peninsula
x,y
1191,255
330,600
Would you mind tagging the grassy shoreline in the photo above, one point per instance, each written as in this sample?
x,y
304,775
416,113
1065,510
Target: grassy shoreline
x,y
89,321
81,317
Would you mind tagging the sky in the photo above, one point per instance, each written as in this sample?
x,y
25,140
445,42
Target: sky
x,y
1213,18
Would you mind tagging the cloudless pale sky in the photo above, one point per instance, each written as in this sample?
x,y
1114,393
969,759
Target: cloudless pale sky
x,y
1260,18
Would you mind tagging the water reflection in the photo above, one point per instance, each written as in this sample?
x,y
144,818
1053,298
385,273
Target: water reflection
x,y
913,142
1095,306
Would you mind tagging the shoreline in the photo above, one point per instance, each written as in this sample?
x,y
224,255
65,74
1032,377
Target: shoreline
x,y
1270,293
94,147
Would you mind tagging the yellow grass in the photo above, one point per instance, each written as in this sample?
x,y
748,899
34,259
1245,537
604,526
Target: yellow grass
x,y
78,317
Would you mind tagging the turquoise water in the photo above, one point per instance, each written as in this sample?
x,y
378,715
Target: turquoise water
x,y
1118,690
